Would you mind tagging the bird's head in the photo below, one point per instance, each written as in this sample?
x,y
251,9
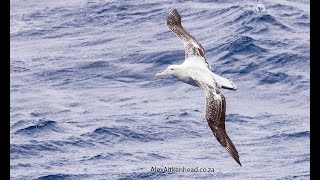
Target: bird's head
x,y
171,70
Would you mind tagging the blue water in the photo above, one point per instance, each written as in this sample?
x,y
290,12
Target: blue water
x,y
84,102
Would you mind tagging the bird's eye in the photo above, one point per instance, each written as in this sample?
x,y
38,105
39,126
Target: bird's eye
x,y
171,69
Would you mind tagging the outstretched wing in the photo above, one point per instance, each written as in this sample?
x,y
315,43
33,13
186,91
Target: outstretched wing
x,y
215,116
192,47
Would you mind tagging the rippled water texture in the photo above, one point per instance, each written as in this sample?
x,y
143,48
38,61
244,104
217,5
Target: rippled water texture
x,y
85,103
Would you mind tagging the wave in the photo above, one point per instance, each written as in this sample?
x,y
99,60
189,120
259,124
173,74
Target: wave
x,y
142,175
244,45
291,136
119,134
60,176
237,118
55,177
35,148
41,127
269,19
271,78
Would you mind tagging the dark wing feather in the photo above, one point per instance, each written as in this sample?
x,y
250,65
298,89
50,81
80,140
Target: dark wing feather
x,y
192,47
215,116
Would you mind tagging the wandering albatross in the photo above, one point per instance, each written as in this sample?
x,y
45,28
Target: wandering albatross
x,y
196,71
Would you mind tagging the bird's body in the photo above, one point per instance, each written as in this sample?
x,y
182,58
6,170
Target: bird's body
x,y
184,69
182,73
196,71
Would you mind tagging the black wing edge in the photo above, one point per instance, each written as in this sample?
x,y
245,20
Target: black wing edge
x,y
223,138
174,19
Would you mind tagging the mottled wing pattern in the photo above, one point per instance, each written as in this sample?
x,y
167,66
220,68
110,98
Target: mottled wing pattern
x,y
192,47
215,116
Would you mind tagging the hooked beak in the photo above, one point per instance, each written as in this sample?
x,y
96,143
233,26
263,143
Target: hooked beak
x,y
159,75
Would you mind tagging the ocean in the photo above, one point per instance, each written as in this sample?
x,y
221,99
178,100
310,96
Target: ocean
x,y
84,103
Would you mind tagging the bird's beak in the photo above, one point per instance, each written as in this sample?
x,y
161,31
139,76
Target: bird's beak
x,y
159,75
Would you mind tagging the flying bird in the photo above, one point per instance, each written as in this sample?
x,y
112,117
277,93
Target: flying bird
x,y
196,71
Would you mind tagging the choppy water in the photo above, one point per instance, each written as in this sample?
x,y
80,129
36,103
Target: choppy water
x,y
85,104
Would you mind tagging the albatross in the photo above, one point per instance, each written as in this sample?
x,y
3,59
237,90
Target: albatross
x,y
196,71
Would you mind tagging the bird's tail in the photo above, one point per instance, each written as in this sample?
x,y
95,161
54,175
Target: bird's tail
x,y
225,83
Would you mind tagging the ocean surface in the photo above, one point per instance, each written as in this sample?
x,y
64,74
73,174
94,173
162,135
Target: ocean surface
x,y
84,103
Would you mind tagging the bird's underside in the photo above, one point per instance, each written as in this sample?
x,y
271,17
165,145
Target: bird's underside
x,y
215,101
